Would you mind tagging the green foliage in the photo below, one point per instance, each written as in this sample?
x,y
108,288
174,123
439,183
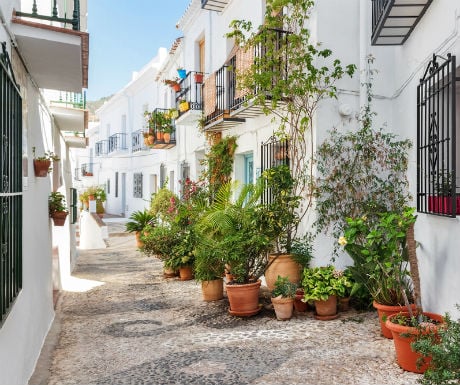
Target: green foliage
x,y
234,231
138,220
161,202
444,349
302,250
159,120
219,163
362,171
97,191
159,240
284,288
379,252
321,282
294,72
56,202
51,156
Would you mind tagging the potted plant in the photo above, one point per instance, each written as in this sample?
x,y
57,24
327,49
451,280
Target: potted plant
x,y
182,73
283,298
167,130
184,106
209,267
57,208
42,163
380,255
236,228
139,220
198,77
323,285
173,113
173,83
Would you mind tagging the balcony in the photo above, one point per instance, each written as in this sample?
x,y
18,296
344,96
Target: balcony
x,y
117,142
191,90
75,140
53,47
138,142
162,130
101,147
87,169
394,20
214,5
70,112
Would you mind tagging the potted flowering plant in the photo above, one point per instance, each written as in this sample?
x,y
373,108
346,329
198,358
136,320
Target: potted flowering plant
x,y
57,208
42,163
283,298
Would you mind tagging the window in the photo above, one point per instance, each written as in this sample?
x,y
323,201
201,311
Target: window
x,y
108,186
137,185
184,175
10,188
116,185
162,175
436,139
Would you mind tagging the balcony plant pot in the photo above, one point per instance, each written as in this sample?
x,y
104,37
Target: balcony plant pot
x,y
403,336
281,265
184,106
212,290
175,87
159,135
182,73
244,298
41,167
167,137
59,217
299,305
150,140
284,307
326,310
198,78
186,273
384,311
442,205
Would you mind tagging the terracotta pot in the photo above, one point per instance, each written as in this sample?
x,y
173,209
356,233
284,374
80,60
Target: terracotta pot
x,y
326,310
386,310
244,299
139,243
402,338
91,197
159,135
186,273
146,140
344,303
41,167
59,218
176,87
150,140
213,290
169,272
299,305
283,307
167,137
198,78
282,265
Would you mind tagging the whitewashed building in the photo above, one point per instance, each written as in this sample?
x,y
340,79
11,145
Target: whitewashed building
x,y
36,256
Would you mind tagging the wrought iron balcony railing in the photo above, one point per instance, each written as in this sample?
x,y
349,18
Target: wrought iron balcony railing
x,y
163,129
138,142
117,142
191,91
101,147
87,169
74,22
71,99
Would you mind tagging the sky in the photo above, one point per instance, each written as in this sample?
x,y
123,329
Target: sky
x,y
126,35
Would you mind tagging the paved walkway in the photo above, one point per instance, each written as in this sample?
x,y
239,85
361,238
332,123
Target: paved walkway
x,y
129,325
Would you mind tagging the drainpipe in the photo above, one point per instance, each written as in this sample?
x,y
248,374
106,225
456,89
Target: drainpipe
x,y
363,48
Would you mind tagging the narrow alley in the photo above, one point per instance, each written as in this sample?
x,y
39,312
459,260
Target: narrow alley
x,y
127,324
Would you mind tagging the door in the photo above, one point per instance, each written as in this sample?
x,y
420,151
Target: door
x,y
249,168
123,194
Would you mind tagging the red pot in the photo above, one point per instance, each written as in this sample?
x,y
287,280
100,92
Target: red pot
x,y
386,310
244,298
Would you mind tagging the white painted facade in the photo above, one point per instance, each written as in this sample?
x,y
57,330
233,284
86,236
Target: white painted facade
x,y
47,251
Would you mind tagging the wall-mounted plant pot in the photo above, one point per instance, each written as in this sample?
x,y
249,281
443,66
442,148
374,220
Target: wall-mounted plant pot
x,y
198,78
174,114
175,87
41,167
184,106
182,73
59,218
442,204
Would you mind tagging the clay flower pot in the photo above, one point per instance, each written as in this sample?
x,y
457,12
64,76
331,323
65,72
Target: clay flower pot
x,y
281,265
244,298
139,243
299,305
403,336
283,307
185,273
386,310
41,167
326,310
212,290
59,218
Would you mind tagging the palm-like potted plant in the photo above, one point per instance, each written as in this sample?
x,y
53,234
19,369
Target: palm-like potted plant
x,y
323,285
57,208
238,233
138,221
283,298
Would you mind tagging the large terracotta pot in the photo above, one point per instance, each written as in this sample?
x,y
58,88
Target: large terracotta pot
x,y
244,298
41,167
326,310
185,273
283,307
403,337
282,265
139,243
213,290
386,310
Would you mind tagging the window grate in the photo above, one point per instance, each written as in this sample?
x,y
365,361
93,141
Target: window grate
x,y
10,187
137,185
436,139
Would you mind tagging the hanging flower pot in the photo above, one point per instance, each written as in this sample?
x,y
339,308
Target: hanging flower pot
x,y
184,106
59,218
198,77
182,73
41,167
174,114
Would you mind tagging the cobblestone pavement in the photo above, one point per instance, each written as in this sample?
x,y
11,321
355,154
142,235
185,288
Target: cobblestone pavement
x,y
140,328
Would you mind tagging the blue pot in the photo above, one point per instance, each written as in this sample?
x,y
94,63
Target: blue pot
x,y
182,74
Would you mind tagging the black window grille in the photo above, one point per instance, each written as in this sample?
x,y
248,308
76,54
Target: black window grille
x,y
10,187
116,185
108,186
162,175
73,205
274,152
436,139
137,185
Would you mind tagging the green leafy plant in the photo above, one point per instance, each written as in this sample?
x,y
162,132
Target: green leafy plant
x,y
139,220
321,282
56,203
444,349
160,204
360,172
302,250
51,156
380,255
159,241
284,288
